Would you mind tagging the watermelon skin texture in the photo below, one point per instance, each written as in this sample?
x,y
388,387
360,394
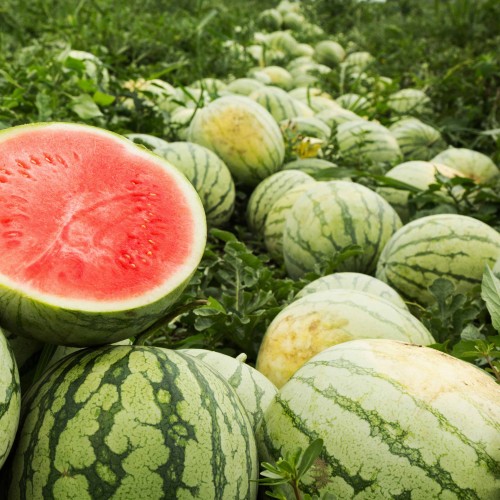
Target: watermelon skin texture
x,y
397,421
450,246
254,389
123,422
331,216
10,398
243,134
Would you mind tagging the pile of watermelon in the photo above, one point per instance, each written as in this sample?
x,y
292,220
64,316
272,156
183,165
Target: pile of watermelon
x,y
119,229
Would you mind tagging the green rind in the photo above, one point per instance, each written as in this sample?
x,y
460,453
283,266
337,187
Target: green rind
x,y
417,140
450,246
243,134
367,141
331,216
322,319
10,398
397,421
354,281
408,101
208,174
279,103
133,422
274,225
267,192
254,389
470,163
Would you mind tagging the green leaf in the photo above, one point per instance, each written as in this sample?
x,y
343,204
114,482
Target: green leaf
x,y
103,99
85,107
490,293
311,453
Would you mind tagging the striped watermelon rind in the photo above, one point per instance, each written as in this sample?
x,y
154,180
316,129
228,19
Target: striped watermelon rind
x,y
397,421
10,398
85,433
243,134
274,225
322,319
254,389
354,281
367,141
417,140
450,246
331,216
267,192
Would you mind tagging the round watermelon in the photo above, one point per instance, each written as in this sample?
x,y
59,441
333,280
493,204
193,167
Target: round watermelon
x,y
323,319
397,421
133,422
450,246
10,398
331,216
243,134
99,236
354,281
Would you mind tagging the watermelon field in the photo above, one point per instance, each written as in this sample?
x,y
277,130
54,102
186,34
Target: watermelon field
x,y
250,250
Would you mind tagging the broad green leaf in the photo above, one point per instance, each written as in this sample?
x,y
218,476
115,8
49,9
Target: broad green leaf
x,y
490,293
311,453
85,107
103,99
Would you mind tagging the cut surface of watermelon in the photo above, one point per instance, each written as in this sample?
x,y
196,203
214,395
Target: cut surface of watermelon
x,y
90,221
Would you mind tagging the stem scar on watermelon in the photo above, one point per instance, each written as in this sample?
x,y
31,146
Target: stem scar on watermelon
x,y
98,236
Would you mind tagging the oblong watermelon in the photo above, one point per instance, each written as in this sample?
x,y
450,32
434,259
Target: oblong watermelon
x,y
99,235
397,421
10,398
133,422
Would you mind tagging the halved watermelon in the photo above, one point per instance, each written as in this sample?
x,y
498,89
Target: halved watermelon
x,y
98,236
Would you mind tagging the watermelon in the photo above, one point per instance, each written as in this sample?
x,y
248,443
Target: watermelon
x,y
278,76
116,234
323,319
397,421
274,224
179,121
366,141
267,192
354,281
408,101
92,68
270,19
470,163
333,215
243,134
420,174
85,433
151,142
358,60
416,139
208,174
10,398
329,52
254,389
306,126
279,103
333,117
244,86
451,246
354,102
154,92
